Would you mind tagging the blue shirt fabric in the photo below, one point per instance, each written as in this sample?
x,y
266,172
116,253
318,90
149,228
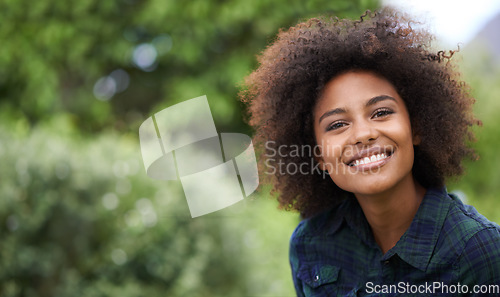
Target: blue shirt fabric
x,y
448,250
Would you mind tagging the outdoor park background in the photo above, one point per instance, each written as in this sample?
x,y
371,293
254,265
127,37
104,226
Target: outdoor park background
x,y
79,216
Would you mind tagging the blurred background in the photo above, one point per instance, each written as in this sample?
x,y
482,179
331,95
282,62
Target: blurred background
x,y
79,216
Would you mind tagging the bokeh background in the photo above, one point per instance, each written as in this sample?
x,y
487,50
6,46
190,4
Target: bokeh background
x,y
79,216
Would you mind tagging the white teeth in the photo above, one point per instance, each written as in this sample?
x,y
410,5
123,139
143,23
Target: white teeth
x,y
367,160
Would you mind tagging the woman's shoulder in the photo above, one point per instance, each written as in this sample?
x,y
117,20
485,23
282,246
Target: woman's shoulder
x,y
479,250
465,221
469,235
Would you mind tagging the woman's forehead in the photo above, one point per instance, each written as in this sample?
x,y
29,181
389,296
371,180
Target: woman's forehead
x,y
354,87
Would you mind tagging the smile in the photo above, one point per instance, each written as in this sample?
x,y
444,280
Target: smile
x,y
368,160
373,156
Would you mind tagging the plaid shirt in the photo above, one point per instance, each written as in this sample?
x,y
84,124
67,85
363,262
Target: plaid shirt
x,y
448,249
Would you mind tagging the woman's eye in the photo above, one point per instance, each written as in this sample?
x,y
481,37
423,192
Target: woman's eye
x,y
335,126
382,112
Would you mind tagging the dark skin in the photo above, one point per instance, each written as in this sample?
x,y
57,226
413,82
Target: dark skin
x,y
363,127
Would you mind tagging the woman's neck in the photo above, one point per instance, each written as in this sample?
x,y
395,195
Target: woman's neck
x,y
390,213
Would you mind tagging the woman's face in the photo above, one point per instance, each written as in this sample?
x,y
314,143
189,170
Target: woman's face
x,y
363,129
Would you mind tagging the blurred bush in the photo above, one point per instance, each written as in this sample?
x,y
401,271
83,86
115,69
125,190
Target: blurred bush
x,y
80,218
136,56
78,215
481,70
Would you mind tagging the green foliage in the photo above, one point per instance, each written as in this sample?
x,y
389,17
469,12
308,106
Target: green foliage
x,y
54,52
81,218
78,216
480,184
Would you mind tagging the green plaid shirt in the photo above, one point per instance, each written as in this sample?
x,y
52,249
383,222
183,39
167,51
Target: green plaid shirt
x,y
448,250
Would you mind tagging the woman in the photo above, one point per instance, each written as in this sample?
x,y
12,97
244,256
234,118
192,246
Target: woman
x,y
360,124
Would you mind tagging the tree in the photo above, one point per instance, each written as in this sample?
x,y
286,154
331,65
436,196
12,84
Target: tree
x,y
137,56
78,216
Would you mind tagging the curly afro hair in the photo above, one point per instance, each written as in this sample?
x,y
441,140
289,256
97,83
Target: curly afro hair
x,y
293,70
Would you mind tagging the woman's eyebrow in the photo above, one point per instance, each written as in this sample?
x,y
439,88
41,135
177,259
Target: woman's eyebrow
x,y
377,99
331,112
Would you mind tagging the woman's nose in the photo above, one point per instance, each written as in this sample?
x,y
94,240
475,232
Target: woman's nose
x,y
363,132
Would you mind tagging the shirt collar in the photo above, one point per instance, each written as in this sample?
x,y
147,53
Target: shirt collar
x,y
350,212
417,244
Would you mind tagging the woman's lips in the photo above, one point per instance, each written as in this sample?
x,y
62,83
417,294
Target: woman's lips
x,y
371,155
372,164
368,160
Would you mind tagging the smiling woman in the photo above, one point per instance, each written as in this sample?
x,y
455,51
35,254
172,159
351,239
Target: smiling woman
x,y
363,118
392,122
